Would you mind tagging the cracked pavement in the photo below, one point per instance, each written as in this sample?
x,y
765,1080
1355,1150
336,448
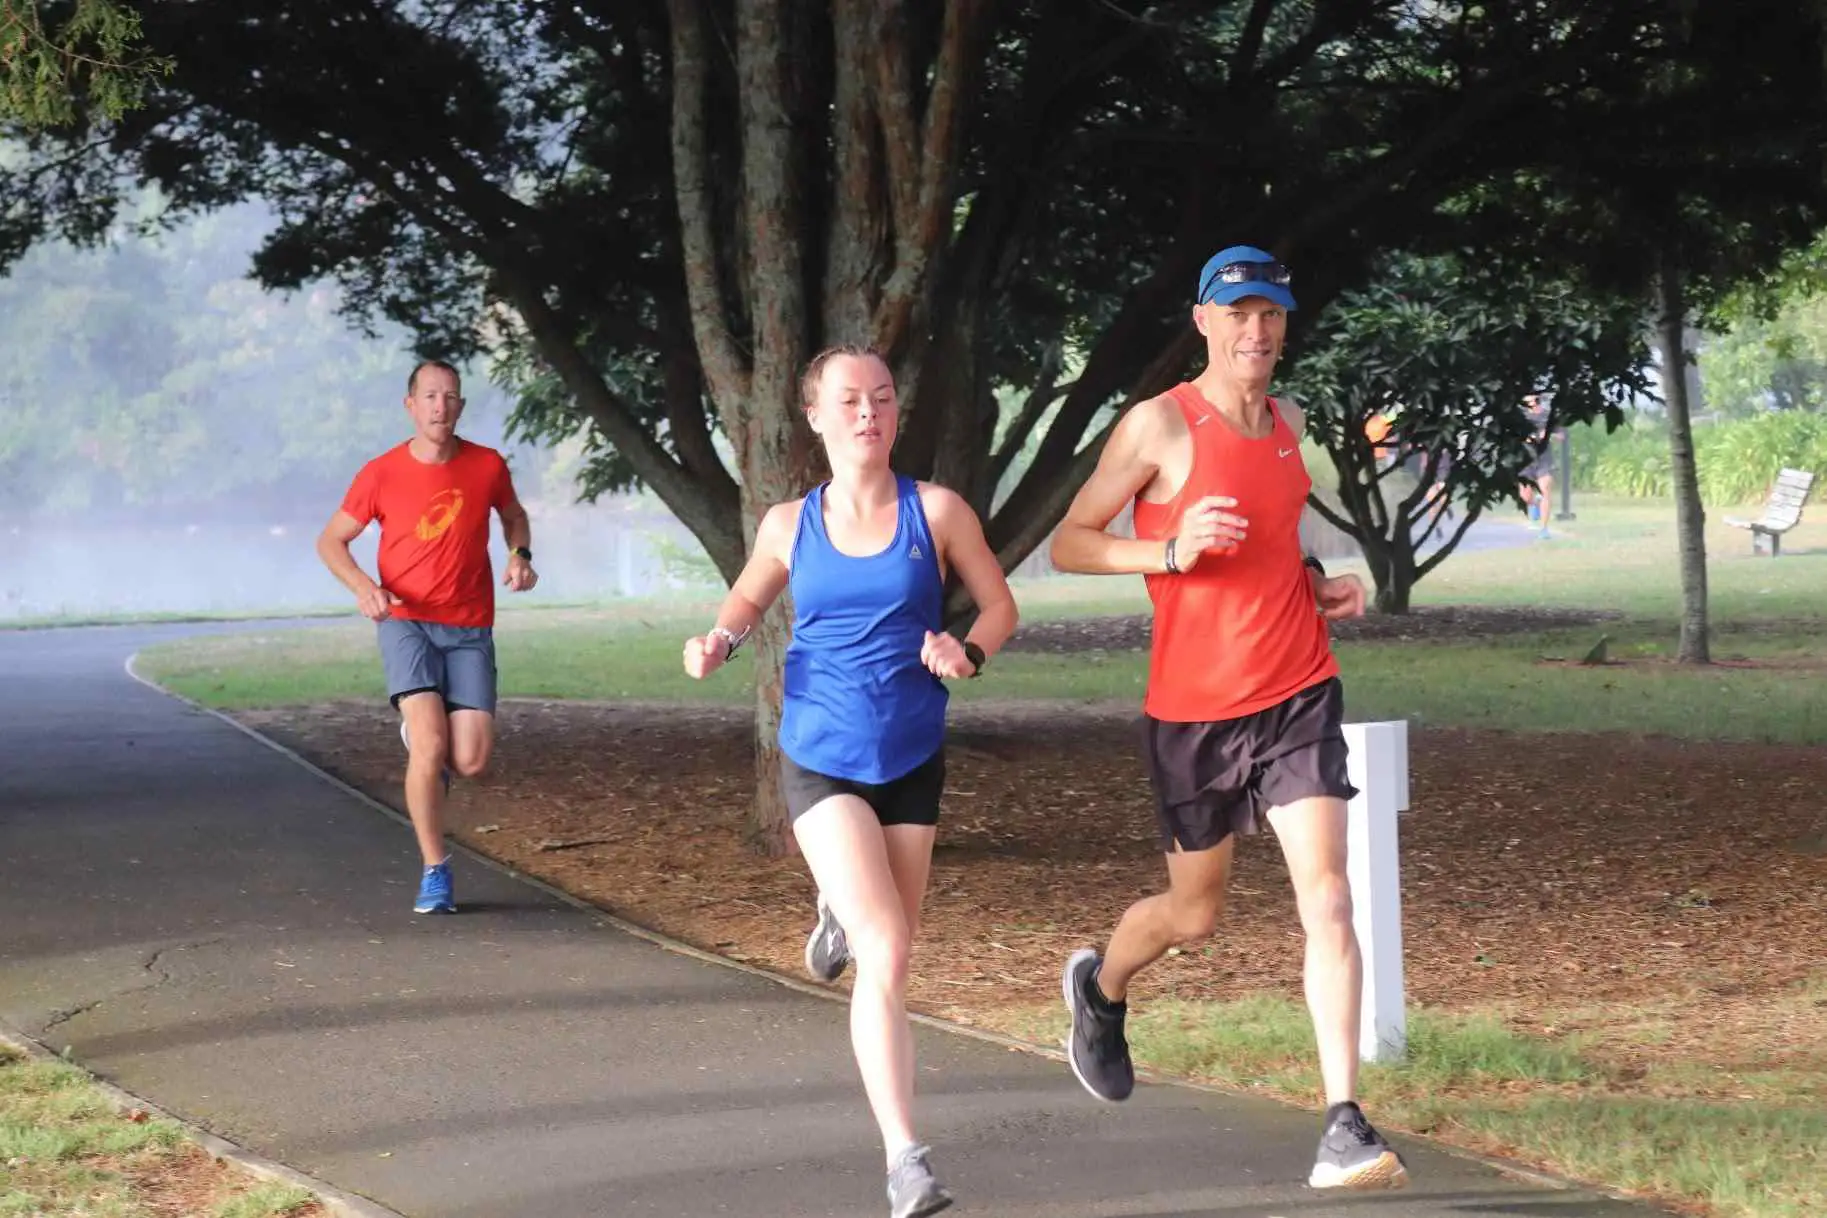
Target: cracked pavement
x,y
219,931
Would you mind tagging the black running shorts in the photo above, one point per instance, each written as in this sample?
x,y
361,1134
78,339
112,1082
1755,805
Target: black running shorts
x,y
1214,779
911,799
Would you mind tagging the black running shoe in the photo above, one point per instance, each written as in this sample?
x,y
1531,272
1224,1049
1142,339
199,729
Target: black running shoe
x,y
1352,1154
1096,1048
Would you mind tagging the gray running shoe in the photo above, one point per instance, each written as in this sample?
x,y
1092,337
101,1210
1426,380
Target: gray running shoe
x,y
827,949
912,1191
1353,1155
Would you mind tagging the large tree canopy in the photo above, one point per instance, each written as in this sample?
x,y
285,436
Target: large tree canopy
x,y
656,211
64,58
1447,349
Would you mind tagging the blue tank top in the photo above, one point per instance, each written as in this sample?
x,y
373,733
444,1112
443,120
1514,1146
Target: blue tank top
x,y
857,703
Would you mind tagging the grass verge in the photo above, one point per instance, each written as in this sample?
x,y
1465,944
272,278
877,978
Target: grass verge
x,y
66,1149
1544,1101
1771,696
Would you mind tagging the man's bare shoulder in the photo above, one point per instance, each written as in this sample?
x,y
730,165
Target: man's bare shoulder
x,y
1150,424
1293,415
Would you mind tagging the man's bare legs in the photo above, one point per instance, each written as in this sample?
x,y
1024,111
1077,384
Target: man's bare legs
x,y
472,741
1313,837
461,741
428,734
1186,913
874,879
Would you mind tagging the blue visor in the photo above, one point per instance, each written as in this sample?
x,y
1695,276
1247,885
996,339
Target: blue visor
x,y
1243,270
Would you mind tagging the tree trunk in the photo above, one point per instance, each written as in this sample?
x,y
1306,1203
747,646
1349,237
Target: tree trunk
x,y
1690,514
769,831
799,267
1397,580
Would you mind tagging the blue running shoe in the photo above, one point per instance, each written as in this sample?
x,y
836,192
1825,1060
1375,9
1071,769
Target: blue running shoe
x,y
435,891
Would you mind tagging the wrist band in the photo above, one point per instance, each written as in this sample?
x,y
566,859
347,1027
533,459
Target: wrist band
x,y
1310,561
731,637
1173,568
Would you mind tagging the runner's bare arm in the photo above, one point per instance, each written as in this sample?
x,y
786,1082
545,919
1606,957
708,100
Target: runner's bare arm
x,y
516,526
1128,464
333,547
753,593
965,550
517,531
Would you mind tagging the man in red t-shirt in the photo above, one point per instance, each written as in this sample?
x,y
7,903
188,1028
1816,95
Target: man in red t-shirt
x,y
1244,711
434,604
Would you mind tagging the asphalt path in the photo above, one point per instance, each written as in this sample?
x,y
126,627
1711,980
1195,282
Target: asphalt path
x,y
215,927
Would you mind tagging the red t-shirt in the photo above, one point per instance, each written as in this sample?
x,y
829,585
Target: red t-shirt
x,y
434,530
1240,632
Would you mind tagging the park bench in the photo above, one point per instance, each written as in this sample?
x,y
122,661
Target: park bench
x,y
1783,511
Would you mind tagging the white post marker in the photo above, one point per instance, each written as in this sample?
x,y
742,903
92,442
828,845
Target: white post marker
x,y
1378,768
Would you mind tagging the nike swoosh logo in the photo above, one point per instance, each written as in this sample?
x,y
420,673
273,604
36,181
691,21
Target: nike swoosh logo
x,y
1284,452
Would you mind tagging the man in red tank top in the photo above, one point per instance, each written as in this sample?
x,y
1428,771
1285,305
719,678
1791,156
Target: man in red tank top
x,y
1244,710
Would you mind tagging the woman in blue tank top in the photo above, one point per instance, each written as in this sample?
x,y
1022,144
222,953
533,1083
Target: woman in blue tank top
x,y
862,723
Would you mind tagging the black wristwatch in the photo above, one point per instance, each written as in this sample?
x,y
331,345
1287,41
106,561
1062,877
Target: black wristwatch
x,y
975,655
1318,568
522,552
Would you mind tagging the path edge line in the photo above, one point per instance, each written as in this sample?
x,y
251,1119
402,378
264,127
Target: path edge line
x,y
338,1202
1518,1171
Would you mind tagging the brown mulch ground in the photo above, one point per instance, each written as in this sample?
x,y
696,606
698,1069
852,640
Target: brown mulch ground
x,y
1579,883
188,1183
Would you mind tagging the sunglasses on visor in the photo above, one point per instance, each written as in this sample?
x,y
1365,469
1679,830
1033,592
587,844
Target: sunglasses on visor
x,y
1246,272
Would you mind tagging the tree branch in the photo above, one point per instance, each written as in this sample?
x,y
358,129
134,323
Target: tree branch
x,y
771,199
725,370
857,238
1452,543
1249,44
894,107
923,193
1343,524
1046,391
702,513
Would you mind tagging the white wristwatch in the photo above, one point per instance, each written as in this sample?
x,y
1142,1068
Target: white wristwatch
x,y
730,637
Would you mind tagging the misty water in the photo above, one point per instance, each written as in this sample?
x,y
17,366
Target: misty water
x,y
228,566
172,439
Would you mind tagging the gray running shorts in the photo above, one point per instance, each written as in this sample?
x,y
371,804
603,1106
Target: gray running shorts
x,y
456,661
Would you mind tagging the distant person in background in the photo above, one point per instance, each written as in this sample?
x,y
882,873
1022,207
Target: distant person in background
x,y
434,603
1540,496
1376,430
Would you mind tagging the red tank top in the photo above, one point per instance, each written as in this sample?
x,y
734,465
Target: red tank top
x,y
1240,632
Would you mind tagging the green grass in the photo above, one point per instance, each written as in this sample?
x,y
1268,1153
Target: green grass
x,y
1546,1100
1618,557
1620,554
65,1149
1500,683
